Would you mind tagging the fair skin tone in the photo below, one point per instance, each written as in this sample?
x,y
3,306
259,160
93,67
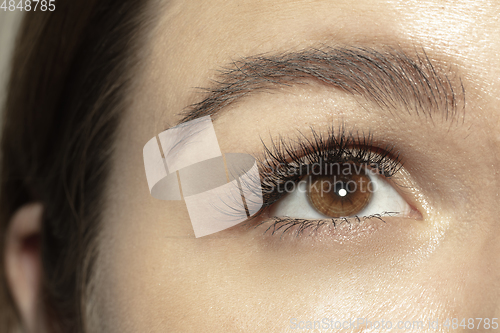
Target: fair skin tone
x,y
155,276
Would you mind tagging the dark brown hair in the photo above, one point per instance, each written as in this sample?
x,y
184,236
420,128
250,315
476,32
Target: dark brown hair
x,y
71,71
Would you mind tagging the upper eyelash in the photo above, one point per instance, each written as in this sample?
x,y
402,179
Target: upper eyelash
x,y
280,160
284,159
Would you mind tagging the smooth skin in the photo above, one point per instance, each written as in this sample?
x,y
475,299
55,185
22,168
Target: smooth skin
x,y
154,276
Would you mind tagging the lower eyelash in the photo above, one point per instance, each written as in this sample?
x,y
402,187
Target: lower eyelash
x,y
283,225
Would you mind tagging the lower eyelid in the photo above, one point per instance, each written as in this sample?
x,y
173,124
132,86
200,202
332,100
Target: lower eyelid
x,y
336,231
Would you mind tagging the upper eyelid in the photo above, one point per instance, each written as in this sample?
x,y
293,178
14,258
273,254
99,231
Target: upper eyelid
x,y
285,150
277,154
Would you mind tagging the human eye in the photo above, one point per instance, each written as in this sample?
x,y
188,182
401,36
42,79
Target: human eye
x,y
325,181
350,191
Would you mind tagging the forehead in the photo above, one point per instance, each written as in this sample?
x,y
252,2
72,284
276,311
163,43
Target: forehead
x,y
194,39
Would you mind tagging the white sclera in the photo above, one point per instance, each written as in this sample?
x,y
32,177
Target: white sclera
x,y
384,200
189,143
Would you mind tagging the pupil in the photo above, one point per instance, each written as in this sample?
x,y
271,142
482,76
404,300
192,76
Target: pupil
x,y
342,192
342,189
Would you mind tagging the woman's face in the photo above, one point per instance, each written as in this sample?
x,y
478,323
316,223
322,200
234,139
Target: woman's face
x,y
439,262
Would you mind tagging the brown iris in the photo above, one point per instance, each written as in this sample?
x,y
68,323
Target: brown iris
x,y
342,192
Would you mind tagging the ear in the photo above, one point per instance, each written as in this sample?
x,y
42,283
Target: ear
x,y
23,262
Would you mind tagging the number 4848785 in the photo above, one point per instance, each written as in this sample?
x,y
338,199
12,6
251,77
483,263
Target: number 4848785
x,y
29,5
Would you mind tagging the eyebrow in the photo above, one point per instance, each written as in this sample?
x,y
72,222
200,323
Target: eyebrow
x,y
391,79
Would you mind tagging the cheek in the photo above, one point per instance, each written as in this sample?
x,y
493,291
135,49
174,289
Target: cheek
x,y
152,277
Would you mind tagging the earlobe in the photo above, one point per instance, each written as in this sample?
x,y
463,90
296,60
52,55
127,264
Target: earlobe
x,y
23,261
